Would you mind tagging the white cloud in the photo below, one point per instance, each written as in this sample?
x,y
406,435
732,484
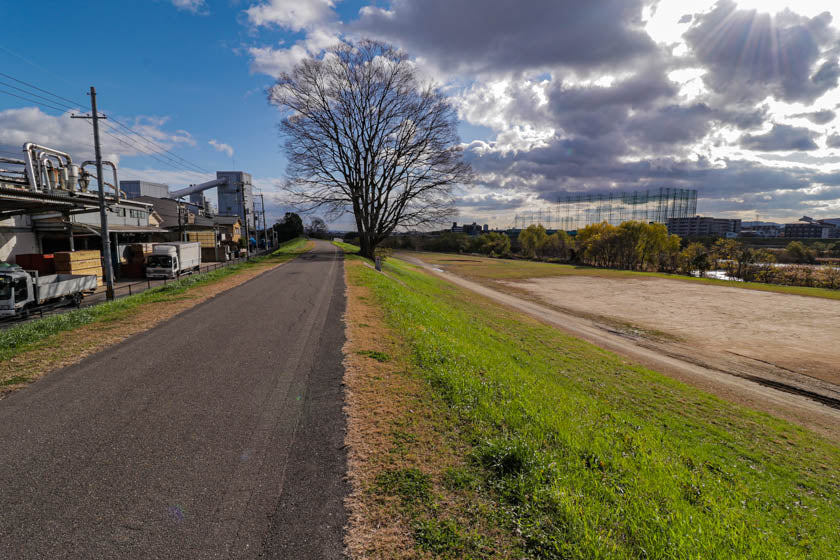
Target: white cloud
x,y
266,60
75,136
271,61
194,6
316,18
644,108
295,15
222,147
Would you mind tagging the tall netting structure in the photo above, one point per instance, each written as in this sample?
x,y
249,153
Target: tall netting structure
x,y
576,210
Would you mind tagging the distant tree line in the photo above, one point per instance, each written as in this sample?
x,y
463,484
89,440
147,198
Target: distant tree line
x,y
646,247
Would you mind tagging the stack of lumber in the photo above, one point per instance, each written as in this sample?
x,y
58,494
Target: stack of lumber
x,y
206,238
80,262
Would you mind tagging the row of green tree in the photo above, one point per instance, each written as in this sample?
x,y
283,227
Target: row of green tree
x,y
638,246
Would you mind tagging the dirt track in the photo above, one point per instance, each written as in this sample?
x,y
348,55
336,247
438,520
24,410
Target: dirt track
x,y
728,341
791,333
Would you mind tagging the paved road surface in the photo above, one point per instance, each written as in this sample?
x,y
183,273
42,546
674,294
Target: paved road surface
x,y
218,434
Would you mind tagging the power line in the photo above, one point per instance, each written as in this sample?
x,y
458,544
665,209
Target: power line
x,y
76,103
39,103
172,163
153,143
178,162
36,95
122,140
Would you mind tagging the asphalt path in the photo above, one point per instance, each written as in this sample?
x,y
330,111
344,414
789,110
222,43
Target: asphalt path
x,y
218,434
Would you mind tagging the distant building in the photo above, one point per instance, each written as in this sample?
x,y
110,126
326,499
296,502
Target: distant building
x,y
181,219
702,226
762,230
133,189
486,228
469,229
810,228
236,198
200,201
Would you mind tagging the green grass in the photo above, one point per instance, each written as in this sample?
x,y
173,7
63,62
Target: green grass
x,y
378,356
588,457
346,247
483,268
21,338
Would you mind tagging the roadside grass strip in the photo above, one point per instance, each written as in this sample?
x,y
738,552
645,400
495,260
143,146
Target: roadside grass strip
x,y
490,269
582,454
18,339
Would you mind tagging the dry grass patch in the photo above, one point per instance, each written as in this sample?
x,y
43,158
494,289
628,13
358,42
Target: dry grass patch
x,y
412,486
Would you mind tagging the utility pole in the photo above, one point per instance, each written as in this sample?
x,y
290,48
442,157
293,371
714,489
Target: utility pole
x,y
265,226
103,216
245,216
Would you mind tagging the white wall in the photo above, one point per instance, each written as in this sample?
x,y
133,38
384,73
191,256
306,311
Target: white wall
x,y
16,237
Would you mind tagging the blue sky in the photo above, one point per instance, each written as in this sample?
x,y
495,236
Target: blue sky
x,y
157,61
738,99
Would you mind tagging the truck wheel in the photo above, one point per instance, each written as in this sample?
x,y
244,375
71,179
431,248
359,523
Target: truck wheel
x,y
77,300
24,313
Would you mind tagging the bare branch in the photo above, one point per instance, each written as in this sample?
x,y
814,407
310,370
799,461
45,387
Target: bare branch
x,y
363,136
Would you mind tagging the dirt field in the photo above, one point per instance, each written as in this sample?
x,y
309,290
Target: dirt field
x,y
770,351
794,333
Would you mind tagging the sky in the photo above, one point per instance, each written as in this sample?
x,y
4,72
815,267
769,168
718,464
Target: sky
x,y
738,99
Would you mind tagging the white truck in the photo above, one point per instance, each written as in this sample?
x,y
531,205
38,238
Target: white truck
x,y
170,260
23,291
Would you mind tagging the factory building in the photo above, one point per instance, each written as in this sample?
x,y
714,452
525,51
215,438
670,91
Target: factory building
x,y
133,189
231,196
703,226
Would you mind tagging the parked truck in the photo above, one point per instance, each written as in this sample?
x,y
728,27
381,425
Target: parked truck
x,y
23,291
170,260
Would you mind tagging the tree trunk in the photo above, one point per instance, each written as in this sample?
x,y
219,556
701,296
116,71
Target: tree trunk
x,y
366,246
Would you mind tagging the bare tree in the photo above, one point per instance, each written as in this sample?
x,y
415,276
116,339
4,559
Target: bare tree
x,y
362,134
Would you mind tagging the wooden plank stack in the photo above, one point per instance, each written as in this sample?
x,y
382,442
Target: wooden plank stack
x,y
206,238
80,262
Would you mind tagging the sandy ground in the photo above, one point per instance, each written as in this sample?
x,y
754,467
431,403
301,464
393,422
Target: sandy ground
x,y
794,333
714,338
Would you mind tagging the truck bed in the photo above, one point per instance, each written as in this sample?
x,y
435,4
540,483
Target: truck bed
x,y
60,285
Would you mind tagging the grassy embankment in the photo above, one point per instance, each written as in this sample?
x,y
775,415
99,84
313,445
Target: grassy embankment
x,y
523,441
485,268
44,333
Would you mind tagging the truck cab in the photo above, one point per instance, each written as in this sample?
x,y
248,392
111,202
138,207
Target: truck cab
x,y
16,290
163,263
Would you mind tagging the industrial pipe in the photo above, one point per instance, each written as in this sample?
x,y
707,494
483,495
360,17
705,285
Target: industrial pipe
x,y
198,188
118,194
28,149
